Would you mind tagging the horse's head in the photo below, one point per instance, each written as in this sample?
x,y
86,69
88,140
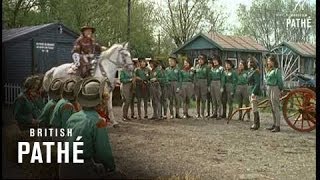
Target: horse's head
x,y
119,55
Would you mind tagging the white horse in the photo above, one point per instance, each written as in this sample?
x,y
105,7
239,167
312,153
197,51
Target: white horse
x,y
116,57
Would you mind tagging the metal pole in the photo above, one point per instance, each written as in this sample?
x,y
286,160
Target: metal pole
x,y
129,16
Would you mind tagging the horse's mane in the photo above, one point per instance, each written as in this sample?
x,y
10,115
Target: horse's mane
x,y
105,54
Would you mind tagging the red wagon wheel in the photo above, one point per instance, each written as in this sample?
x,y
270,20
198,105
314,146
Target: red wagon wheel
x,y
299,109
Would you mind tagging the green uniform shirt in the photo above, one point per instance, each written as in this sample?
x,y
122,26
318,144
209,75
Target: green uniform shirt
x,y
231,78
47,112
274,78
187,75
126,76
163,79
61,113
254,82
25,110
95,140
142,73
173,74
156,73
201,72
40,103
215,73
243,77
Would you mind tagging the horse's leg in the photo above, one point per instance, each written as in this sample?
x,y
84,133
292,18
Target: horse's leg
x,y
110,111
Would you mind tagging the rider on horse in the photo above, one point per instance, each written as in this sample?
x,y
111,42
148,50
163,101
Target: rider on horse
x,y
84,51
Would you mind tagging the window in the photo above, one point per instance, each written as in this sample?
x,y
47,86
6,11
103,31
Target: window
x,y
234,62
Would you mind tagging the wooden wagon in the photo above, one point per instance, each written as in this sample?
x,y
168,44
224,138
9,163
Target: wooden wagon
x,y
298,106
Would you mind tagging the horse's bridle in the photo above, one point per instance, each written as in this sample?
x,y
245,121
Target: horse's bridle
x,y
118,65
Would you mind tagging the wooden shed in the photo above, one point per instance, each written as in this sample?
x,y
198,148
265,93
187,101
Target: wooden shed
x,y
233,48
34,49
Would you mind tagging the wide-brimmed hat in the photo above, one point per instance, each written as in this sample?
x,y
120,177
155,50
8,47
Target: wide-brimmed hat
x,y
83,28
68,89
90,92
55,88
173,56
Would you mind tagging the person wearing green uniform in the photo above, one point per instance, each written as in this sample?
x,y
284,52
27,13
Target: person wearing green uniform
x,y
229,81
215,78
254,90
187,87
242,87
26,111
275,85
126,88
174,77
66,106
54,95
201,84
132,102
164,84
142,86
38,99
89,125
209,98
155,89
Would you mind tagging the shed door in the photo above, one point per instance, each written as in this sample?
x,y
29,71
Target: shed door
x,y
44,56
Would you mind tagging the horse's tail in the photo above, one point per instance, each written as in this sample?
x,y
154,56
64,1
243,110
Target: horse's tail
x,y
47,79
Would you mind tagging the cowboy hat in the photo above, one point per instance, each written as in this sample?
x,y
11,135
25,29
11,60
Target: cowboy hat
x,y
90,92
55,88
68,88
83,28
173,56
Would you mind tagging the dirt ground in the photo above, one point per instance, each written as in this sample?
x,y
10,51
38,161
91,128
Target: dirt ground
x,y
210,149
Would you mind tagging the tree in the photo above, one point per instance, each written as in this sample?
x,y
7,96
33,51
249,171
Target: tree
x,y
108,17
182,19
266,21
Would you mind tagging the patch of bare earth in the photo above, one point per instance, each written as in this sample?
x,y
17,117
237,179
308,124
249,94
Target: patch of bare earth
x,y
212,149
193,149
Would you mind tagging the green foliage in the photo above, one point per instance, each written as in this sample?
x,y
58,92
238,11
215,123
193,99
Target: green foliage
x,y
110,18
266,22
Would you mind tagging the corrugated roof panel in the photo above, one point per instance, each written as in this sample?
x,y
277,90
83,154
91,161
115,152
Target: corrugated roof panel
x,y
9,34
304,49
236,42
245,43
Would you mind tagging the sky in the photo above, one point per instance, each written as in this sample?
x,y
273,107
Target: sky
x,y
230,8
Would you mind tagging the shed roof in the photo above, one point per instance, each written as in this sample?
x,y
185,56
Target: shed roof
x,y
228,43
303,49
16,33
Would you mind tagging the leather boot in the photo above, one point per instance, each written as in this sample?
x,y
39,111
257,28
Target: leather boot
x,y
256,121
271,128
276,129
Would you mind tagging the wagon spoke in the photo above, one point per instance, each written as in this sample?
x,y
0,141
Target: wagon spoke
x,y
311,118
293,114
295,95
302,121
296,120
308,123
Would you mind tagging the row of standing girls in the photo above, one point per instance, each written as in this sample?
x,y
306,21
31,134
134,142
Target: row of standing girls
x,y
207,81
